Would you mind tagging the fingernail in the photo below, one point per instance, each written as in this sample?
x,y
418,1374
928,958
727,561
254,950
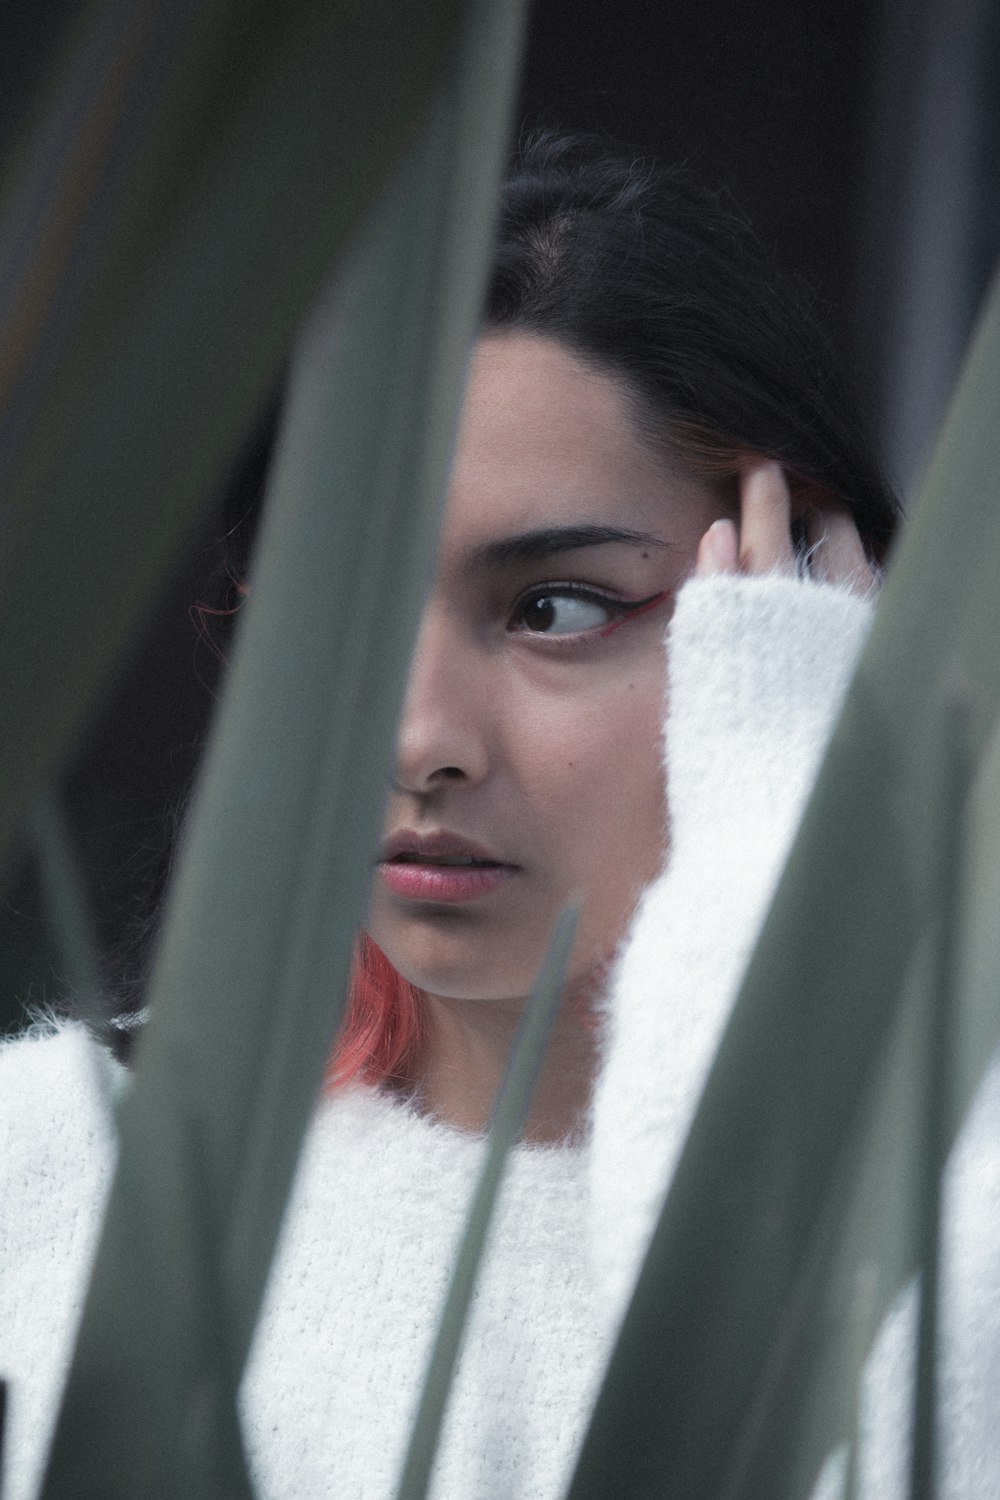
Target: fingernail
x,y
721,547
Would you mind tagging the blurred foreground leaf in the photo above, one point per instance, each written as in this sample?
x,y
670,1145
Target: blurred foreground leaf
x,y
260,922
798,1208
192,169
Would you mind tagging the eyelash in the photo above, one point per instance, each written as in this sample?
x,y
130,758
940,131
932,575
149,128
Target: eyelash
x,y
624,610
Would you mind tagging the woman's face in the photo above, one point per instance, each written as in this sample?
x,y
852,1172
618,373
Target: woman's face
x,y
528,765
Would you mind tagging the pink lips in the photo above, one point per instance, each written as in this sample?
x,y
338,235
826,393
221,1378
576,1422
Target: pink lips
x,y
440,867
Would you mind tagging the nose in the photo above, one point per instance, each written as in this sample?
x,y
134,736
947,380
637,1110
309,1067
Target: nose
x,y
443,733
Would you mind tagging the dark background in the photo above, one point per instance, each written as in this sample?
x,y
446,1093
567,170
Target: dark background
x,y
770,99
861,139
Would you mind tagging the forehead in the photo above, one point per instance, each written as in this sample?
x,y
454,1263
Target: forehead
x,y
547,440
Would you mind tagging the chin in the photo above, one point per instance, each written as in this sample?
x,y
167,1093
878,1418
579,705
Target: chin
x,y
465,982
455,968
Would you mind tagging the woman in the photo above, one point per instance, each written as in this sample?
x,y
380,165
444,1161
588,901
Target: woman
x,y
645,403
622,384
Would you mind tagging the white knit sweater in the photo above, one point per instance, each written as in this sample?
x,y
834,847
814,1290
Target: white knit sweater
x,y
756,670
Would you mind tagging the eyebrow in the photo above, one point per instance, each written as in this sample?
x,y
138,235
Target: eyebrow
x,y
534,546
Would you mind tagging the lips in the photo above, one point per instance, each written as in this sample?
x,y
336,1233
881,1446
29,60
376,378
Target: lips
x,y
436,848
440,867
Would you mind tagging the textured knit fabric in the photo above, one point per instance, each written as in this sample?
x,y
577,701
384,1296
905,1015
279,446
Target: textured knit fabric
x,y
363,1268
55,1166
757,669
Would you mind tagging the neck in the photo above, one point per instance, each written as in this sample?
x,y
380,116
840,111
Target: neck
x,y
465,1050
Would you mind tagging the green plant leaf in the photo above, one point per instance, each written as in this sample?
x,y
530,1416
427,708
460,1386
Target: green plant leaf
x,y
193,169
275,861
761,1223
67,906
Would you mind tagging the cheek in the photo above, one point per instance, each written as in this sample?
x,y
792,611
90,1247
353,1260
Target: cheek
x,y
599,786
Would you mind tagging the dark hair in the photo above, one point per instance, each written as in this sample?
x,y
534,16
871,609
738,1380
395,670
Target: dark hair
x,y
636,267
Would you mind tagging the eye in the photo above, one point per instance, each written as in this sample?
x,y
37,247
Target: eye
x,y
563,611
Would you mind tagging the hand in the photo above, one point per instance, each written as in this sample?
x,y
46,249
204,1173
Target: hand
x,y
763,541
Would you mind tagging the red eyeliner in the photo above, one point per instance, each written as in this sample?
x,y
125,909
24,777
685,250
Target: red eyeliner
x,y
640,608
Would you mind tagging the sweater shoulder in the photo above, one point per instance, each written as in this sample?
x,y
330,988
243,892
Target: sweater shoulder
x,y
51,1068
57,1088
56,1159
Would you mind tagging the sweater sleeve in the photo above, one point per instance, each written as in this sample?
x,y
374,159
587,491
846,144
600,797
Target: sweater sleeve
x,y
756,670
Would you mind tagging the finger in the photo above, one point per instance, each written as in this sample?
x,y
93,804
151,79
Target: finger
x,y
836,551
765,519
718,550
